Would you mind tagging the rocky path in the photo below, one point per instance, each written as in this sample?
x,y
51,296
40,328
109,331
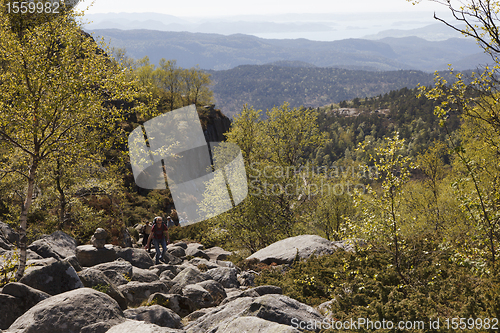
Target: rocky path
x,y
70,288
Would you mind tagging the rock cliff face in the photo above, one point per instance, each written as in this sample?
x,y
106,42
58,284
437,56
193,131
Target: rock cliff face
x,y
214,123
72,288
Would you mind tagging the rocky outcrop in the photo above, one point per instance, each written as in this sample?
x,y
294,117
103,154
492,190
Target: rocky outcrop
x,y
285,251
80,310
277,309
204,293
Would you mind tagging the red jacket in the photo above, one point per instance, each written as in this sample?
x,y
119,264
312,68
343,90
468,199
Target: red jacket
x,y
158,232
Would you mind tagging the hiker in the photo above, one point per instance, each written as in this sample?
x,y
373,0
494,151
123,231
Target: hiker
x,y
158,234
170,222
146,230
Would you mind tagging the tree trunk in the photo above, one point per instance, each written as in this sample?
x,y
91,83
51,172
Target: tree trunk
x,y
23,221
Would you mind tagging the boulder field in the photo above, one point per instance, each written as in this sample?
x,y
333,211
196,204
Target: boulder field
x,y
69,288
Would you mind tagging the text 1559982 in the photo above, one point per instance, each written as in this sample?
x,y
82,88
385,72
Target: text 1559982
x,y
30,7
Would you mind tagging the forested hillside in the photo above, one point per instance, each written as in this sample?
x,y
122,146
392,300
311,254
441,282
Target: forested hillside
x,y
267,86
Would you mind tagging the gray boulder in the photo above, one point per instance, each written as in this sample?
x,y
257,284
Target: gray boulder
x,y
247,278
195,252
201,261
215,289
143,275
11,308
71,312
137,257
88,255
216,253
255,325
180,244
228,277
177,251
274,308
159,269
155,314
74,262
167,275
58,245
134,326
284,251
190,275
4,243
29,296
200,297
177,303
10,235
118,271
93,278
55,278
137,292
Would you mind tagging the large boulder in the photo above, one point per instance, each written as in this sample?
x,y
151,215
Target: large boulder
x,y
177,251
81,310
190,275
194,251
55,278
58,245
137,257
11,308
29,296
93,278
177,303
143,275
274,308
200,297
138,292
155,314
10,235
118,271
134,326
216,253
285,251
228,277
215,289
255,325
88,255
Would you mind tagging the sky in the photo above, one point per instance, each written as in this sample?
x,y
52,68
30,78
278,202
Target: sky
x,y
204,8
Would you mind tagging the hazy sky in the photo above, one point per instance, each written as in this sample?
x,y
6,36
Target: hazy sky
x,y
232,7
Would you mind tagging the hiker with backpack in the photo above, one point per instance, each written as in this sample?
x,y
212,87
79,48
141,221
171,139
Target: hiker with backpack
x,y
157,235
146,231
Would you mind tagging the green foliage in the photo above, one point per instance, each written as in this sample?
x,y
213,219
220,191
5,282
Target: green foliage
x,y
273,150
103,288
366,284
10,261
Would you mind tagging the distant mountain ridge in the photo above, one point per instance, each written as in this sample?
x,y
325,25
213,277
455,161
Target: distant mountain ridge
x,y
220,52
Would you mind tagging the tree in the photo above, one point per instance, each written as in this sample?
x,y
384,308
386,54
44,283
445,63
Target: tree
x,y
380,213
56,85
275,151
